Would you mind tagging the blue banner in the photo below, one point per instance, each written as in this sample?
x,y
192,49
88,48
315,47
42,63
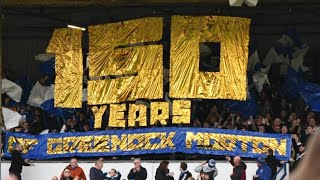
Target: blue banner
x,y
151,141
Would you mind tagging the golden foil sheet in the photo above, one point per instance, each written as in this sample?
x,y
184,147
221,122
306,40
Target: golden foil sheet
x,y
138,69
66,44
181,112
98,113
159,112
141,119
27,144
116,117
186,81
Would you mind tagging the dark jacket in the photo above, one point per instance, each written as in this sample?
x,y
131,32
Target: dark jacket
x,y
141,175
239,172
273,163
118,177
96,174
64,178
163,174
184,175
17,162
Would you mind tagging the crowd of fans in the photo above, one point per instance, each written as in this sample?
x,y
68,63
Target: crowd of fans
x,y
207,170
275,114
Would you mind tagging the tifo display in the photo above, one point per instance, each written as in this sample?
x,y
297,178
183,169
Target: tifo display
x,y
151,140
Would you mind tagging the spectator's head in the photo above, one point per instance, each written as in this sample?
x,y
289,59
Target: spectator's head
x,y
66,172
310,129
86,128
293,116
237,160
277,122
284,129
112,172
262,129
137,162
310,115
73,162
270,152
260,162
26,126
312,122
99,164
164,165
54,178
183,166
277,129
259,121
19,147
283,114
301,147
191,178
206,125
211,163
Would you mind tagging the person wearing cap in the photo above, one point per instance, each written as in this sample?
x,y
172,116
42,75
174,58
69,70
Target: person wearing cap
x,y
264,172
299,157
208,169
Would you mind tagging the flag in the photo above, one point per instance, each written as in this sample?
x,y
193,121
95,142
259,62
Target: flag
x,y
11,89
44,57
11,118
310,92
38,95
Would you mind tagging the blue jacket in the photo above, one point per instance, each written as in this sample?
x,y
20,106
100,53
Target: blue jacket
x,y
264,172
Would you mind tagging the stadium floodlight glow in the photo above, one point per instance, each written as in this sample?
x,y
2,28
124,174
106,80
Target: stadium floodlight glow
x,y
250,3
76,27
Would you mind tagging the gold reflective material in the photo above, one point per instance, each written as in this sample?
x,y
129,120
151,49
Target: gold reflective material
x,y
119,142
168,141
98,113
159,112
141,118
116,118
27,144
66,44
85,144
256,141
217,141
151,136
54,146
186,81
141,64
279,147
191,137
135,142
244,142
70,144
101,143
181,112
228,141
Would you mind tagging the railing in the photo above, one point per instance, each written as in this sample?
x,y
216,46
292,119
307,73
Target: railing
x,y
284,166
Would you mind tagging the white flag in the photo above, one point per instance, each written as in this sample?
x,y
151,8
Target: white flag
x,y
253,60
272,57
11,118
44,57
39,94
11,89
